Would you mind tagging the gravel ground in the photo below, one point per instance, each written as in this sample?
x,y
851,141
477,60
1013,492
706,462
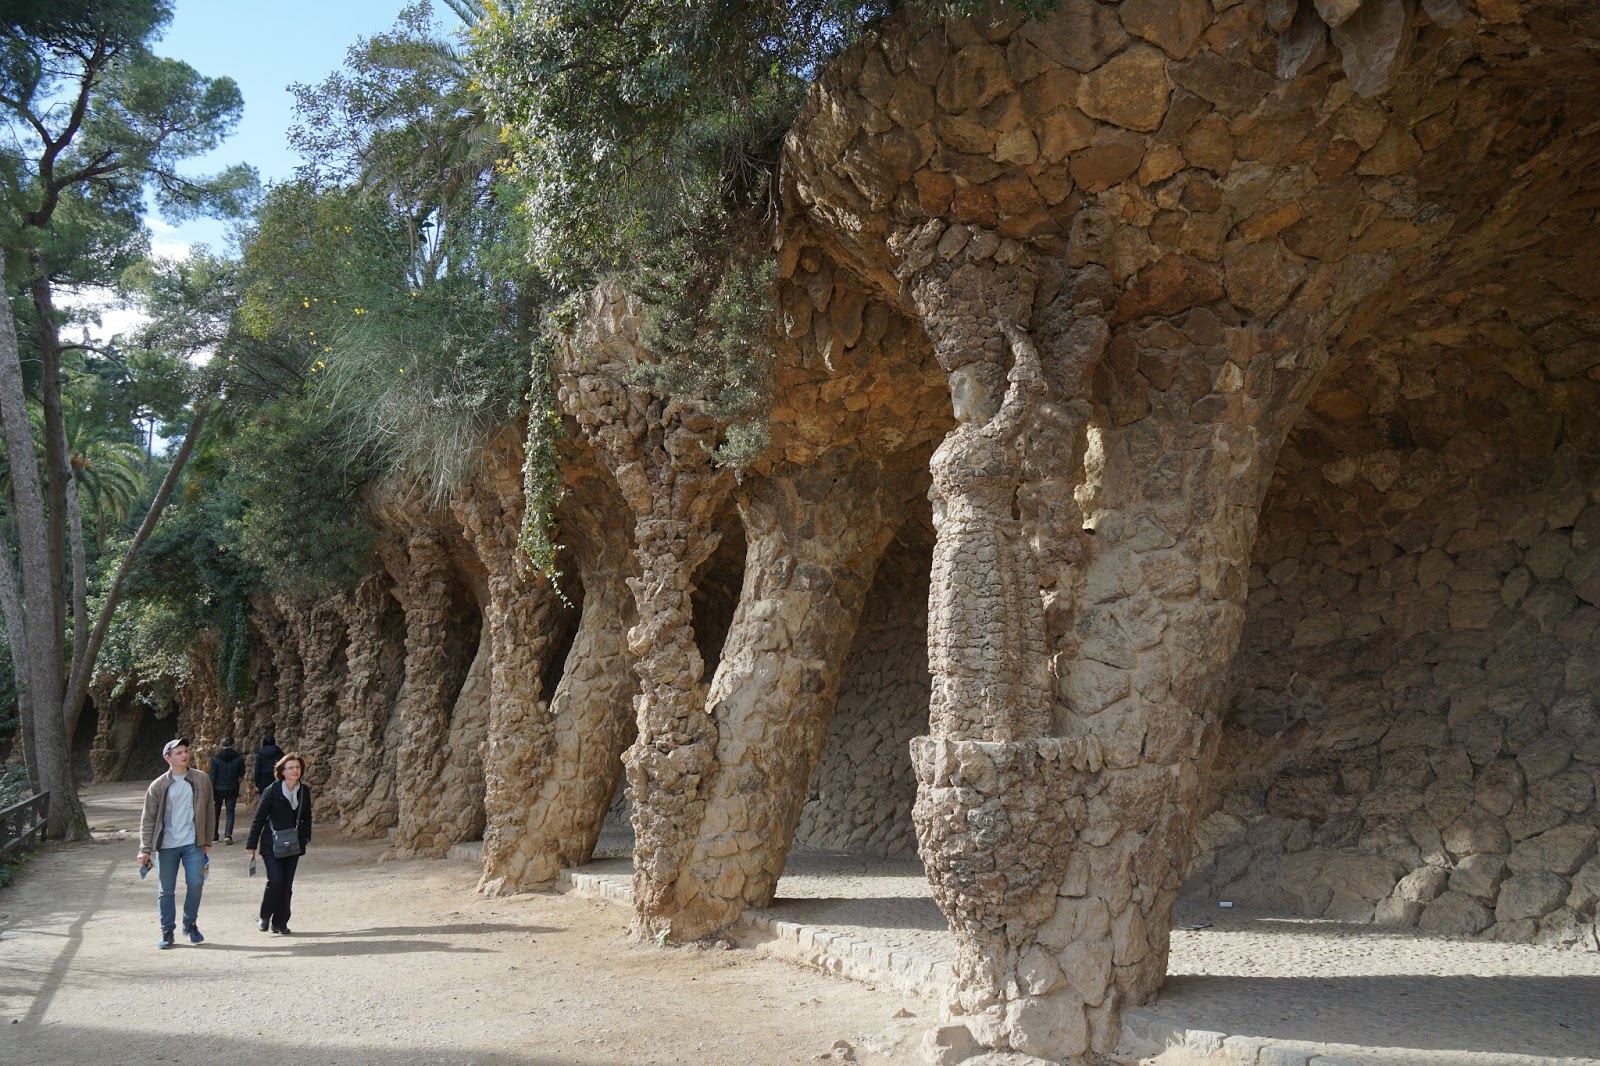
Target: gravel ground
x,y
403,963
1370,995
391,962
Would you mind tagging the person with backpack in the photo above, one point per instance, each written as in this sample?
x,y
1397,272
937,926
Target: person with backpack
x,y
227,774
267,757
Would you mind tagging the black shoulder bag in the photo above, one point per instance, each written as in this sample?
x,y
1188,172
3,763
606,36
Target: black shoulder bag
x,y
286,842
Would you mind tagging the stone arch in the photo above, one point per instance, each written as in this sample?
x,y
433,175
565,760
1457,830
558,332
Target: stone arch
x,y
861,793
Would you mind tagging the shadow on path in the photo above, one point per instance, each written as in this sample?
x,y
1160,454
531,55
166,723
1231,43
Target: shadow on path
x,y
89,1044
74,941
880,912
1557,1015
295,945
476,929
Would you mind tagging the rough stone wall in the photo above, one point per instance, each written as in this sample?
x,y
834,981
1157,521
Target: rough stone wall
x,y
363,777
128,719
861,794
1187,209
1416,737
438,780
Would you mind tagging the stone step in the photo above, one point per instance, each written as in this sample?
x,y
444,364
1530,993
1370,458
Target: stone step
x,y
467,851
830,952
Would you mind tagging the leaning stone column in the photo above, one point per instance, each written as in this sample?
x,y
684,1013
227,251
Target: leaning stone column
x,y
427,697
659,453
815,536
363,784
570,753
519,620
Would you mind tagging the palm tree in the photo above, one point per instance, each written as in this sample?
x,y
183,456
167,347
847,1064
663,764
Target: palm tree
x,y
110,472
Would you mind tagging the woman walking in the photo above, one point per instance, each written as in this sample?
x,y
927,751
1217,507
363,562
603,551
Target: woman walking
x,y
283,818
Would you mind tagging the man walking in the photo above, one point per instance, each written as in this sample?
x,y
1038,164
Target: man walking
x,y
177,824
227,771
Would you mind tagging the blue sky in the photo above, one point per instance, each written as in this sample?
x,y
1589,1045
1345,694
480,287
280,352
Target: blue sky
x,y
265,47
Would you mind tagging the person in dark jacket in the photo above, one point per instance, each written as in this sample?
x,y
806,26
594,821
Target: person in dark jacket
x,y
267,757
285,804
227,774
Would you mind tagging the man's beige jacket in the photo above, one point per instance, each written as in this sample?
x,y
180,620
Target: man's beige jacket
x,y
154,819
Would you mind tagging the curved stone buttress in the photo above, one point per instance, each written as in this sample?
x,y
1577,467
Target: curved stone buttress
x,y
363,779
658,452
552,760
1185,208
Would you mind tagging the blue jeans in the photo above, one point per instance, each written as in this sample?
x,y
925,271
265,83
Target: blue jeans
x,y
194,880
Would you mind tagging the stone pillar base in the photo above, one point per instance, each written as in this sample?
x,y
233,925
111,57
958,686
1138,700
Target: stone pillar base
x,y
996,824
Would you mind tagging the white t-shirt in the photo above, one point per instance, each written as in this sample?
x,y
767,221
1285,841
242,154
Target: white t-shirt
x,y
178,827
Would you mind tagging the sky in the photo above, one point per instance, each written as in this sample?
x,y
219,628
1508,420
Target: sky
x,y
265,47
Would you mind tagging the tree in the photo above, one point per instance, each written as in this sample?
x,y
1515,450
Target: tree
x,y
97,121
393,258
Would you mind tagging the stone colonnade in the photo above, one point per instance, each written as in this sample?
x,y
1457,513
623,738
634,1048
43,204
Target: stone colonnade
x,y
1134,233
1076,279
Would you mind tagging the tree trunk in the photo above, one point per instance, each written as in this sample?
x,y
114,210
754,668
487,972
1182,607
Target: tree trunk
x,y
17,638
83,662
80,569
39,604
58,471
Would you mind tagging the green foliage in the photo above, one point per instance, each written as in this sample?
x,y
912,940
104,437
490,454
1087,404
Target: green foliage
x,y
415,371
13,785
303,527
14,788
98,122
620,114
709,325
191,576
388,260
542,486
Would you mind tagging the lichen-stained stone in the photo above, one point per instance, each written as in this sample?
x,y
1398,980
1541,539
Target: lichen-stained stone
x,y
1130,90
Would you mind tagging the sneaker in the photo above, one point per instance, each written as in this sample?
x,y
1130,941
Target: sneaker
x,y
227,840
262,925
166,940
281,930
194,934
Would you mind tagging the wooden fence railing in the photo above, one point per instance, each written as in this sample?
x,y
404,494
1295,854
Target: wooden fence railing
x,y
23,821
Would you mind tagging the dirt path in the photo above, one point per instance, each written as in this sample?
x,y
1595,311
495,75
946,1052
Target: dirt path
x,y
394,963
